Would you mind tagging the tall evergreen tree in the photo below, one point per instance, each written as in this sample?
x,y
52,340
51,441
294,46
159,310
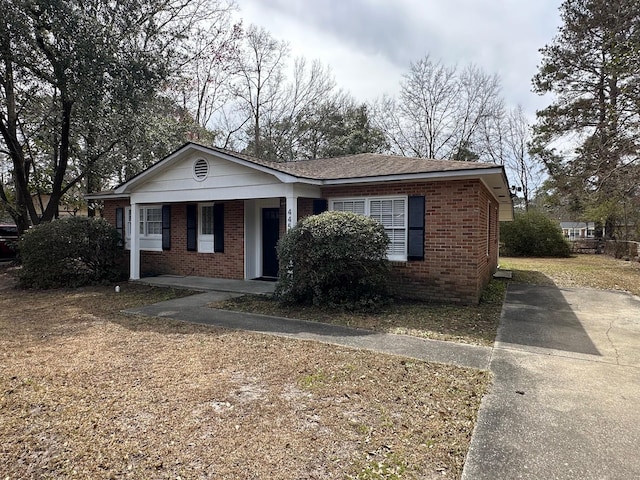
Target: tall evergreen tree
x,y
591,68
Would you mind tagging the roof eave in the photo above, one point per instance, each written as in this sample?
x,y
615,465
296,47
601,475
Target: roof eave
x,y
106,196
447,174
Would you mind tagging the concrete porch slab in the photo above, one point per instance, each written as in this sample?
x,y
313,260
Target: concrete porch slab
x,y
503,274
206,284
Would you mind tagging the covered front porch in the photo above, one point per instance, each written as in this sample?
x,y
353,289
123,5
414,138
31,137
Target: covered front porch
x,y
240,242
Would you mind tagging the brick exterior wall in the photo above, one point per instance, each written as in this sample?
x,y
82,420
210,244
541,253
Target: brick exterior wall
x,y
179,261
456,266
461,255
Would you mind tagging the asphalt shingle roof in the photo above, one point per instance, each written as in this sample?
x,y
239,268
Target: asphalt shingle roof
x,y
361,166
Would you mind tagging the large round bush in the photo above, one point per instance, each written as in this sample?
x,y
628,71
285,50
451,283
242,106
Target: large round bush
x,y
334,259
533,234
70,252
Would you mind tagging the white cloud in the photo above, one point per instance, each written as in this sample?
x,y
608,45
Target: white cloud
x,y
370,43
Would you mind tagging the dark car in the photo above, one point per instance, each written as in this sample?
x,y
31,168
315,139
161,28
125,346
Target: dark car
x,y
8,237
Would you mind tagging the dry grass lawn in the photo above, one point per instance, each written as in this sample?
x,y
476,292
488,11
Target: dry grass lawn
x,y
592,271
471,324
86,392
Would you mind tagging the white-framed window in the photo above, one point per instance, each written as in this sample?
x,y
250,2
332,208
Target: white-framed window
x,y
391,212
149,228
205,228
151,221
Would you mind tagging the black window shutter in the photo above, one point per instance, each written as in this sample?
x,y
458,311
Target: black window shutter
x,y
192,228
120,224
320,205
166,227
218,227
415,250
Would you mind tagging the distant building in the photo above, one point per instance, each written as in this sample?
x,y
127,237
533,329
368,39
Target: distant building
x,y
578,230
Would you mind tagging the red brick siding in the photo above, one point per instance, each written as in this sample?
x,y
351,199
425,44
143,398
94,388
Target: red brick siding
x,y
305,207
456,267
488,257
179,261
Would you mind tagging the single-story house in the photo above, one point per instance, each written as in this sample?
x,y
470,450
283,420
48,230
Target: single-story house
x,y
578,230
206,211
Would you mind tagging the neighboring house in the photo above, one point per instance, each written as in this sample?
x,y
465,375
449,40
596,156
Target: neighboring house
x,y
578,230
41,201
209,212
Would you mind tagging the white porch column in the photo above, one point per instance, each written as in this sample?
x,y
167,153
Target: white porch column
x,y
292,210
134,243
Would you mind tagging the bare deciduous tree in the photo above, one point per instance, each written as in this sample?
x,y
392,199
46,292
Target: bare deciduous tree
x,y
439,111
260,79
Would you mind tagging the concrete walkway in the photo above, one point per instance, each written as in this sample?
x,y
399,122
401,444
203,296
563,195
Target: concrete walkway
x,y
565,403
194,309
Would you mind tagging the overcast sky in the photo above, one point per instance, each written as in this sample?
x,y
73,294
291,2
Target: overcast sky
x,y
369,44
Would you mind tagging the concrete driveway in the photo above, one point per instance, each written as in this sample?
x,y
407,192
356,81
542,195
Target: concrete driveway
x,y
565,403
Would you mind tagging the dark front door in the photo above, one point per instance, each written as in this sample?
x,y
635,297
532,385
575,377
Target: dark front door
x,y
270,235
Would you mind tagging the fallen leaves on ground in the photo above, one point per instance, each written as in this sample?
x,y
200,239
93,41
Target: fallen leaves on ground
x,y
87,392
471,324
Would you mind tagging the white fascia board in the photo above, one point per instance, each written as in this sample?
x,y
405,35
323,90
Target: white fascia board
x,y
452,174
106,196
505,204
204,195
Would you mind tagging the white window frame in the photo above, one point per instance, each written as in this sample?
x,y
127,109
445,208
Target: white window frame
x,y
145,223
205,240
367,212
150,242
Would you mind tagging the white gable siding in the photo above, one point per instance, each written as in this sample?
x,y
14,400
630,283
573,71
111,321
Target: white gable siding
x,y
225,181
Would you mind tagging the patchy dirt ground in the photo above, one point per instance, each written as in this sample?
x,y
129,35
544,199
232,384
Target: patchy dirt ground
x,y
88,393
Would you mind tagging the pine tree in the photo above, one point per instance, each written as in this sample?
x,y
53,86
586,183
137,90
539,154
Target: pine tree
x,y
591,68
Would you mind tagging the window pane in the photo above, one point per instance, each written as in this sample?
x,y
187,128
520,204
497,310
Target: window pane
x,y
154,214
390,212
154,221
206,220
355,206
397,245
399,219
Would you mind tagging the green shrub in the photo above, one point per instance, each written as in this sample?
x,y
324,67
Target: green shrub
x,y
533,234
70,252
335,259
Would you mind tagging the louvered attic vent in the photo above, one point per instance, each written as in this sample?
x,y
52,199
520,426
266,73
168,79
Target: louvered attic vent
x,y
200,169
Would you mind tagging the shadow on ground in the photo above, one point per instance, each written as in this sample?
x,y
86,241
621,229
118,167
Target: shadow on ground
x,y
541,316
